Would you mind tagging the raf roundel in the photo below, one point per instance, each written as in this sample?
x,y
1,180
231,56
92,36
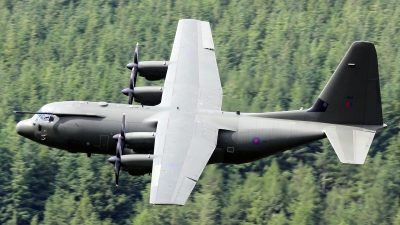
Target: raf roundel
x,y
256,140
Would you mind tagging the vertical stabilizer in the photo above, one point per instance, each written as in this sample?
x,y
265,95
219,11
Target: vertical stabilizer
x,y
352,95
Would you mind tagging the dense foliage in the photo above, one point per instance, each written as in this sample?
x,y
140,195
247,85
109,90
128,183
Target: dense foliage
x,y
272,55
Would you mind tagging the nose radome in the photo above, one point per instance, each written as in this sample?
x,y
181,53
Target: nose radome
x,y
25,128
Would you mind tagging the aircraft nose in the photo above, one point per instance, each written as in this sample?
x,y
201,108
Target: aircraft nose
x,y
25,128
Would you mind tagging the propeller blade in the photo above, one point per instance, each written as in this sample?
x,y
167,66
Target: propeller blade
x,y
130,101
117,169
136,56
132,83
123,126
118,149
116,160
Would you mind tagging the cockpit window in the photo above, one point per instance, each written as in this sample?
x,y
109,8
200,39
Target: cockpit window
x,y
44,117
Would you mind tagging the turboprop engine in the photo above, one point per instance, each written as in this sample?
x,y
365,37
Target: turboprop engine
x,y
141,142
151,70
148,95
137,164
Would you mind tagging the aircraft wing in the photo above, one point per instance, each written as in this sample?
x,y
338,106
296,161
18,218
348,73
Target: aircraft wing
x,y
184,139
192,79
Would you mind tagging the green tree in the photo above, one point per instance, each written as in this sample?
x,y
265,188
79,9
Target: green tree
x,y
306,200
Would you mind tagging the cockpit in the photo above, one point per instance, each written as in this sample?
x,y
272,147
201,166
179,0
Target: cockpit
x,y
46,116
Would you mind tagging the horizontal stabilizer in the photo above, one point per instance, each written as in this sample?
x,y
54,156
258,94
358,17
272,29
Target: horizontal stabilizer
x,y
351,144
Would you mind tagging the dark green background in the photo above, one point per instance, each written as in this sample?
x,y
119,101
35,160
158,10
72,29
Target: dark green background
x,y
272,55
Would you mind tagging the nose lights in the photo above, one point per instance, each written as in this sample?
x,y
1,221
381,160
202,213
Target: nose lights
x,y
25,129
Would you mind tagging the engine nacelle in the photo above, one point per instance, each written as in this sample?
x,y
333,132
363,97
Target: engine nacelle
x,y
138,142
137,164
147,95
136,160
151,70
139,138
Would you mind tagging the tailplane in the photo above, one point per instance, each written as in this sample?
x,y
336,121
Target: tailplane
x,y
351,143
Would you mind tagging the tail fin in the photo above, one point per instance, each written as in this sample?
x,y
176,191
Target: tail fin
x,y
352,95
350,104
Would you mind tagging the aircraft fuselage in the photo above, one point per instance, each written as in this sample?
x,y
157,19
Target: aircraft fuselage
x,y
242,138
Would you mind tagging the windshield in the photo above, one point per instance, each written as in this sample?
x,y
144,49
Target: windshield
x,y
44,117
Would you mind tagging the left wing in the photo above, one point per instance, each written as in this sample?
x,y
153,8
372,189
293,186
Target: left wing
x,y
184,140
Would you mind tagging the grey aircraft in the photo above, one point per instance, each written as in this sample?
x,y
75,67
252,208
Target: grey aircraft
x,y
179,128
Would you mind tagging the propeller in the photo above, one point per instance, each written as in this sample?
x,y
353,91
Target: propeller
x,y
116,160
132,83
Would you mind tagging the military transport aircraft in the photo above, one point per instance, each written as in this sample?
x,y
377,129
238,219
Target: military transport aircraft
x,y
179,128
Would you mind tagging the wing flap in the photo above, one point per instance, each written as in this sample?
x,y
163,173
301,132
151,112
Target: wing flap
x,y
200,151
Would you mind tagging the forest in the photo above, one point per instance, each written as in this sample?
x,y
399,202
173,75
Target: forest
x,y
272,55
